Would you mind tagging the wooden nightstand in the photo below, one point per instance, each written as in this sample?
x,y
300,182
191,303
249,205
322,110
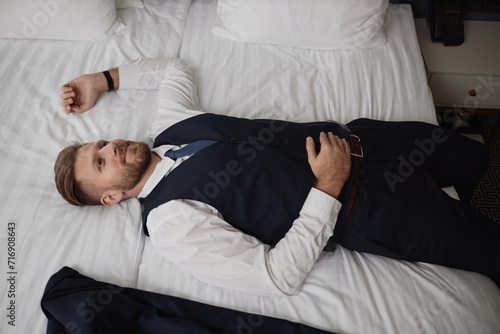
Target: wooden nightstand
x,y
466,77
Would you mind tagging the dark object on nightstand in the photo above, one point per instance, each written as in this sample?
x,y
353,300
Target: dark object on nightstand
x,y
446,21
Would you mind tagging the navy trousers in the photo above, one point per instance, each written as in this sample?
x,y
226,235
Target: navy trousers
x,y
401,210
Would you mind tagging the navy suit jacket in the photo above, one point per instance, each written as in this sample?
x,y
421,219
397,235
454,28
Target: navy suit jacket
x,y
74,303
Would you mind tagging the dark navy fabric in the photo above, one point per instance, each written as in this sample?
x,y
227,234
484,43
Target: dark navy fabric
x,y
256,175
74,303
401,210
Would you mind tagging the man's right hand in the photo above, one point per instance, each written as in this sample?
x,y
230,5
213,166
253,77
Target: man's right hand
x,y
332,166
80,94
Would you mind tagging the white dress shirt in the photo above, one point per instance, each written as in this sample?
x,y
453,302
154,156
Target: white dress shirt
x,y
194,235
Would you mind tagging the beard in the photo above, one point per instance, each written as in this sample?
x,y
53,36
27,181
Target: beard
x,y
134,171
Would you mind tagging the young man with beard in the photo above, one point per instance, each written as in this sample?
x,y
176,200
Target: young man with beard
x,y
253,208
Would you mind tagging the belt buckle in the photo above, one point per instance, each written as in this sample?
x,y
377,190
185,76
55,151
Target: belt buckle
x,y
356,144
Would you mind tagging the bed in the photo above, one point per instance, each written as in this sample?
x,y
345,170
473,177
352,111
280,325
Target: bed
x,y
346,292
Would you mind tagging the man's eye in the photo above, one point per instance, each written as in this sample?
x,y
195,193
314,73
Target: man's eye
x,y
104,143
99,164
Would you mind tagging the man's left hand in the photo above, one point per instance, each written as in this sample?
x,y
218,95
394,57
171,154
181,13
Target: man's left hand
x,y
332,165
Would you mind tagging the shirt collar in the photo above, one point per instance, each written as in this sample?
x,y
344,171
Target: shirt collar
x,y
162,169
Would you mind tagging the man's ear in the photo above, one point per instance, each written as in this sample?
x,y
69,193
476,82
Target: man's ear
x,y
111,197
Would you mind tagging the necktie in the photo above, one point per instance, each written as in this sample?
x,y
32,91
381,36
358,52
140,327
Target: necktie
x,y
189,149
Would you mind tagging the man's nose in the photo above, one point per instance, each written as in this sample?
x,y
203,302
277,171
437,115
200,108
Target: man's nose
x,y
111,149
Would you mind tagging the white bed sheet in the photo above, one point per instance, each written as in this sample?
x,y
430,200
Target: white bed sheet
x,y
367,294
351,292
251,80
104,244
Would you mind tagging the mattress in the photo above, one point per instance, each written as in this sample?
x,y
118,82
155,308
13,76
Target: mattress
x,y
347,292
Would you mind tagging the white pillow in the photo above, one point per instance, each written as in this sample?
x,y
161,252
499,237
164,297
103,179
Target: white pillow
x,y
312,24
75,20
121,4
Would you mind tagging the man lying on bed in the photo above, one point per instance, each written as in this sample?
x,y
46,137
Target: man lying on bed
x,y
253,204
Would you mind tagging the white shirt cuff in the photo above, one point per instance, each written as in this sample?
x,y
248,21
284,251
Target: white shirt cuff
x,y
129,76
316,204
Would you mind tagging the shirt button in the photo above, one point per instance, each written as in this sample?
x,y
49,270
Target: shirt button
x,y
285,141
232,139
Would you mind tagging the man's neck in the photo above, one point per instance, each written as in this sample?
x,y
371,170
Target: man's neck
x,y
155,159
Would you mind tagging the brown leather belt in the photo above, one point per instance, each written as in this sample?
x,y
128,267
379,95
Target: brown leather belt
x,y
356,155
